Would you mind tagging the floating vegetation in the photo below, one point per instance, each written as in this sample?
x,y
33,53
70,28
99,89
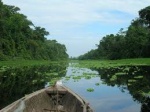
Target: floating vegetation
x,y
124,74
76,77
120,73
87,77
131,80
126,69
129,84
72,75
68,77
74,72
138,77
113,78
90,90
97,84
84,73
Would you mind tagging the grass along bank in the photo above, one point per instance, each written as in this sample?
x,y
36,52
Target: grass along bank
x,y
19,63
112,63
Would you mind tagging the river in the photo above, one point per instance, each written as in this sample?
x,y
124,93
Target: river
x,y
104,98
112,89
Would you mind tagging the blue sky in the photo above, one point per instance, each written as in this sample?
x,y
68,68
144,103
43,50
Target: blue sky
x,y
80,24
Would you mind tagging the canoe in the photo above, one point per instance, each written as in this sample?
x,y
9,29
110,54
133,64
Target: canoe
x,y
51,99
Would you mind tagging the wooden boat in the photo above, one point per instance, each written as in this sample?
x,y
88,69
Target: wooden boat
x,y
51,99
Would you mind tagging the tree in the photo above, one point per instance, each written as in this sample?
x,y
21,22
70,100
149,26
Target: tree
x,y
40,33
136,39
19,38
145,15
133,43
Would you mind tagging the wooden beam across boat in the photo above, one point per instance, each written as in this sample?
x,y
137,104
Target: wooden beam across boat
x,y
54,90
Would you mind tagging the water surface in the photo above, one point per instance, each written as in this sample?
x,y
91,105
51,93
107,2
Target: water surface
x,y
115,92
117,89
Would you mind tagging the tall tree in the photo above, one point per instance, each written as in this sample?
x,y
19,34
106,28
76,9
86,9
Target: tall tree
x,y
133,43
145,15
19,38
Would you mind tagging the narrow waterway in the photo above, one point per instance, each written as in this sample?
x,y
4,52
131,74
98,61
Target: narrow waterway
x,y
112,89
103,97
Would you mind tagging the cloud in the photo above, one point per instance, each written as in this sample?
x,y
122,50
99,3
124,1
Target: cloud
x,y
74,11
60,12
69,19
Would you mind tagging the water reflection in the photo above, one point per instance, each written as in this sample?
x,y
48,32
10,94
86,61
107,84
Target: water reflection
x,y
115,89
16,82
135,79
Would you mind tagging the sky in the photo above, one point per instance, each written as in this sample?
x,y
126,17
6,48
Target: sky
x,y
80,24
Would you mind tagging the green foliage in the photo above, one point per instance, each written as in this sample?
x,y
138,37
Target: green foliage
x,y
132,43
113,63
113,78
90,55
21,39
145,15
97,84
90,90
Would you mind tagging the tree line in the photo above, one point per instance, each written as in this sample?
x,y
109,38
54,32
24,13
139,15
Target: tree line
x,y
132,43
20,38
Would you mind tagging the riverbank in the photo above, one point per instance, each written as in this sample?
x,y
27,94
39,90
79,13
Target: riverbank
x,y
112,63
19,63
82,63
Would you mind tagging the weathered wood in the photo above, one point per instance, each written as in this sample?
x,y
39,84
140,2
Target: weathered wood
x,y
50,99
54,91
54,110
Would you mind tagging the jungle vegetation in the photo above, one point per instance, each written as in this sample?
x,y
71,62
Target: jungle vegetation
x,y
132,43
21,39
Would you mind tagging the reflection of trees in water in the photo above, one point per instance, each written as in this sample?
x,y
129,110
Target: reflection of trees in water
x,y
16,82
135,79
146,105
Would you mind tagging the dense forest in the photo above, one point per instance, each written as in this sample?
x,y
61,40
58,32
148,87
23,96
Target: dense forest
x,y
21,39
132,43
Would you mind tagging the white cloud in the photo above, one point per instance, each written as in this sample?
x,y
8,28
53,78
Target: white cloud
x,y
66,18
76,11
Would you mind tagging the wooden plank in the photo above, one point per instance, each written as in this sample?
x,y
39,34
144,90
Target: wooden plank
x,y
54,91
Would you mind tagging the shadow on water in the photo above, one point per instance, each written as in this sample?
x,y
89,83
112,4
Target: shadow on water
x,y
16,82
135,79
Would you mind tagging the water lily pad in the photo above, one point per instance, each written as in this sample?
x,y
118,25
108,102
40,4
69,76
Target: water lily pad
x,y
97,84
90,89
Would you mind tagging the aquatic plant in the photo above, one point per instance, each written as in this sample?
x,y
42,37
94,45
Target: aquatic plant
x,y
90,90
76,77
113,78
97,84
67,78
113,63
138,77
87,77
120,73
131,80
